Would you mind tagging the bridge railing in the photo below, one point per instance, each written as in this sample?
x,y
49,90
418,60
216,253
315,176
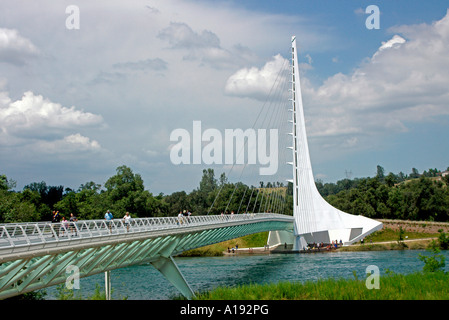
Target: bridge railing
x,y
26,234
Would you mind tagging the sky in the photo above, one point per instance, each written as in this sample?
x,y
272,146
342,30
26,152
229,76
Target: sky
x,y
88,86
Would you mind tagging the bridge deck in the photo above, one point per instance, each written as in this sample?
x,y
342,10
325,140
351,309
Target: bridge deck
x,y
39,255
20,238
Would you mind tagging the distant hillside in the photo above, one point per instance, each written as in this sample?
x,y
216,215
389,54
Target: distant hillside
x,y
394,196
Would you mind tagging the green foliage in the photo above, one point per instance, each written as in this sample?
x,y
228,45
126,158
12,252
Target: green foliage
x,y
16,208
5,184
63,293
417,197
401,243
415,286
433,263
387,196
443,240
125,192
99,293
34,295
388,234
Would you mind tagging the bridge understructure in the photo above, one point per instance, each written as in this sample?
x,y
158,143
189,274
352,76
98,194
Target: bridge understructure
x,y
39,255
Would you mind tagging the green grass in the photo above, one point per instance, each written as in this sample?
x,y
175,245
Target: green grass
x,y
388,234
416,286
249,241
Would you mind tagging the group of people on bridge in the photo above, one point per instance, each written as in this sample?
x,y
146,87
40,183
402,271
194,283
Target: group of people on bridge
x,y
184,216
108,216
70,225
65,224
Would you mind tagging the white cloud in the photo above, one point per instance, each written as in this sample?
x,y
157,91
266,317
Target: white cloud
x,y
33,112
404,81
81,141
394,43
14,48
396,40
254,82
34,117
73,143
150,79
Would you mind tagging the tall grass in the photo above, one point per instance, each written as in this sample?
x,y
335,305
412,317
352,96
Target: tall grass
x,y
415,286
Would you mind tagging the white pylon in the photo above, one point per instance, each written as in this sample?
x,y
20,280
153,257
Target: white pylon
x,y
316,220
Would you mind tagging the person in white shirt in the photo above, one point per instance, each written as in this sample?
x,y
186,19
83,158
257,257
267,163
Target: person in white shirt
x,y
127,220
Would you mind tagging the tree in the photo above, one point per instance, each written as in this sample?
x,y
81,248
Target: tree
x,y
223,179
390,180
14,209
6,184
380,173
91,203
177,201
434,262
208,182
401,242
89,186
415,174
125,192
401,177
49,194
124,182
69,204
443,240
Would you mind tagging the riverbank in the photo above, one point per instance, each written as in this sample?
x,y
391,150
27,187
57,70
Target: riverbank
x,y
410,244
417,235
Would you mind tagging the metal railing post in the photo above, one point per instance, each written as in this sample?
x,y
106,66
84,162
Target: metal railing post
x,y
107,284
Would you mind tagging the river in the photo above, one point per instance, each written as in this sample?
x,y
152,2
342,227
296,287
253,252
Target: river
x,y
143,282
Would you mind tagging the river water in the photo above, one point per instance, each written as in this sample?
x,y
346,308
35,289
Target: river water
x,y
143,282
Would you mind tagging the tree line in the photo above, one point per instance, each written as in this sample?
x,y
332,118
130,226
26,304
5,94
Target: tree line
x,y
125,192
394,196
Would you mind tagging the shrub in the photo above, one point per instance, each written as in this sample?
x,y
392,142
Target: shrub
x,y
433,263
443,239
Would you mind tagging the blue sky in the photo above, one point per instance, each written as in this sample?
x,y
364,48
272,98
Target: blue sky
x,y
76,104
